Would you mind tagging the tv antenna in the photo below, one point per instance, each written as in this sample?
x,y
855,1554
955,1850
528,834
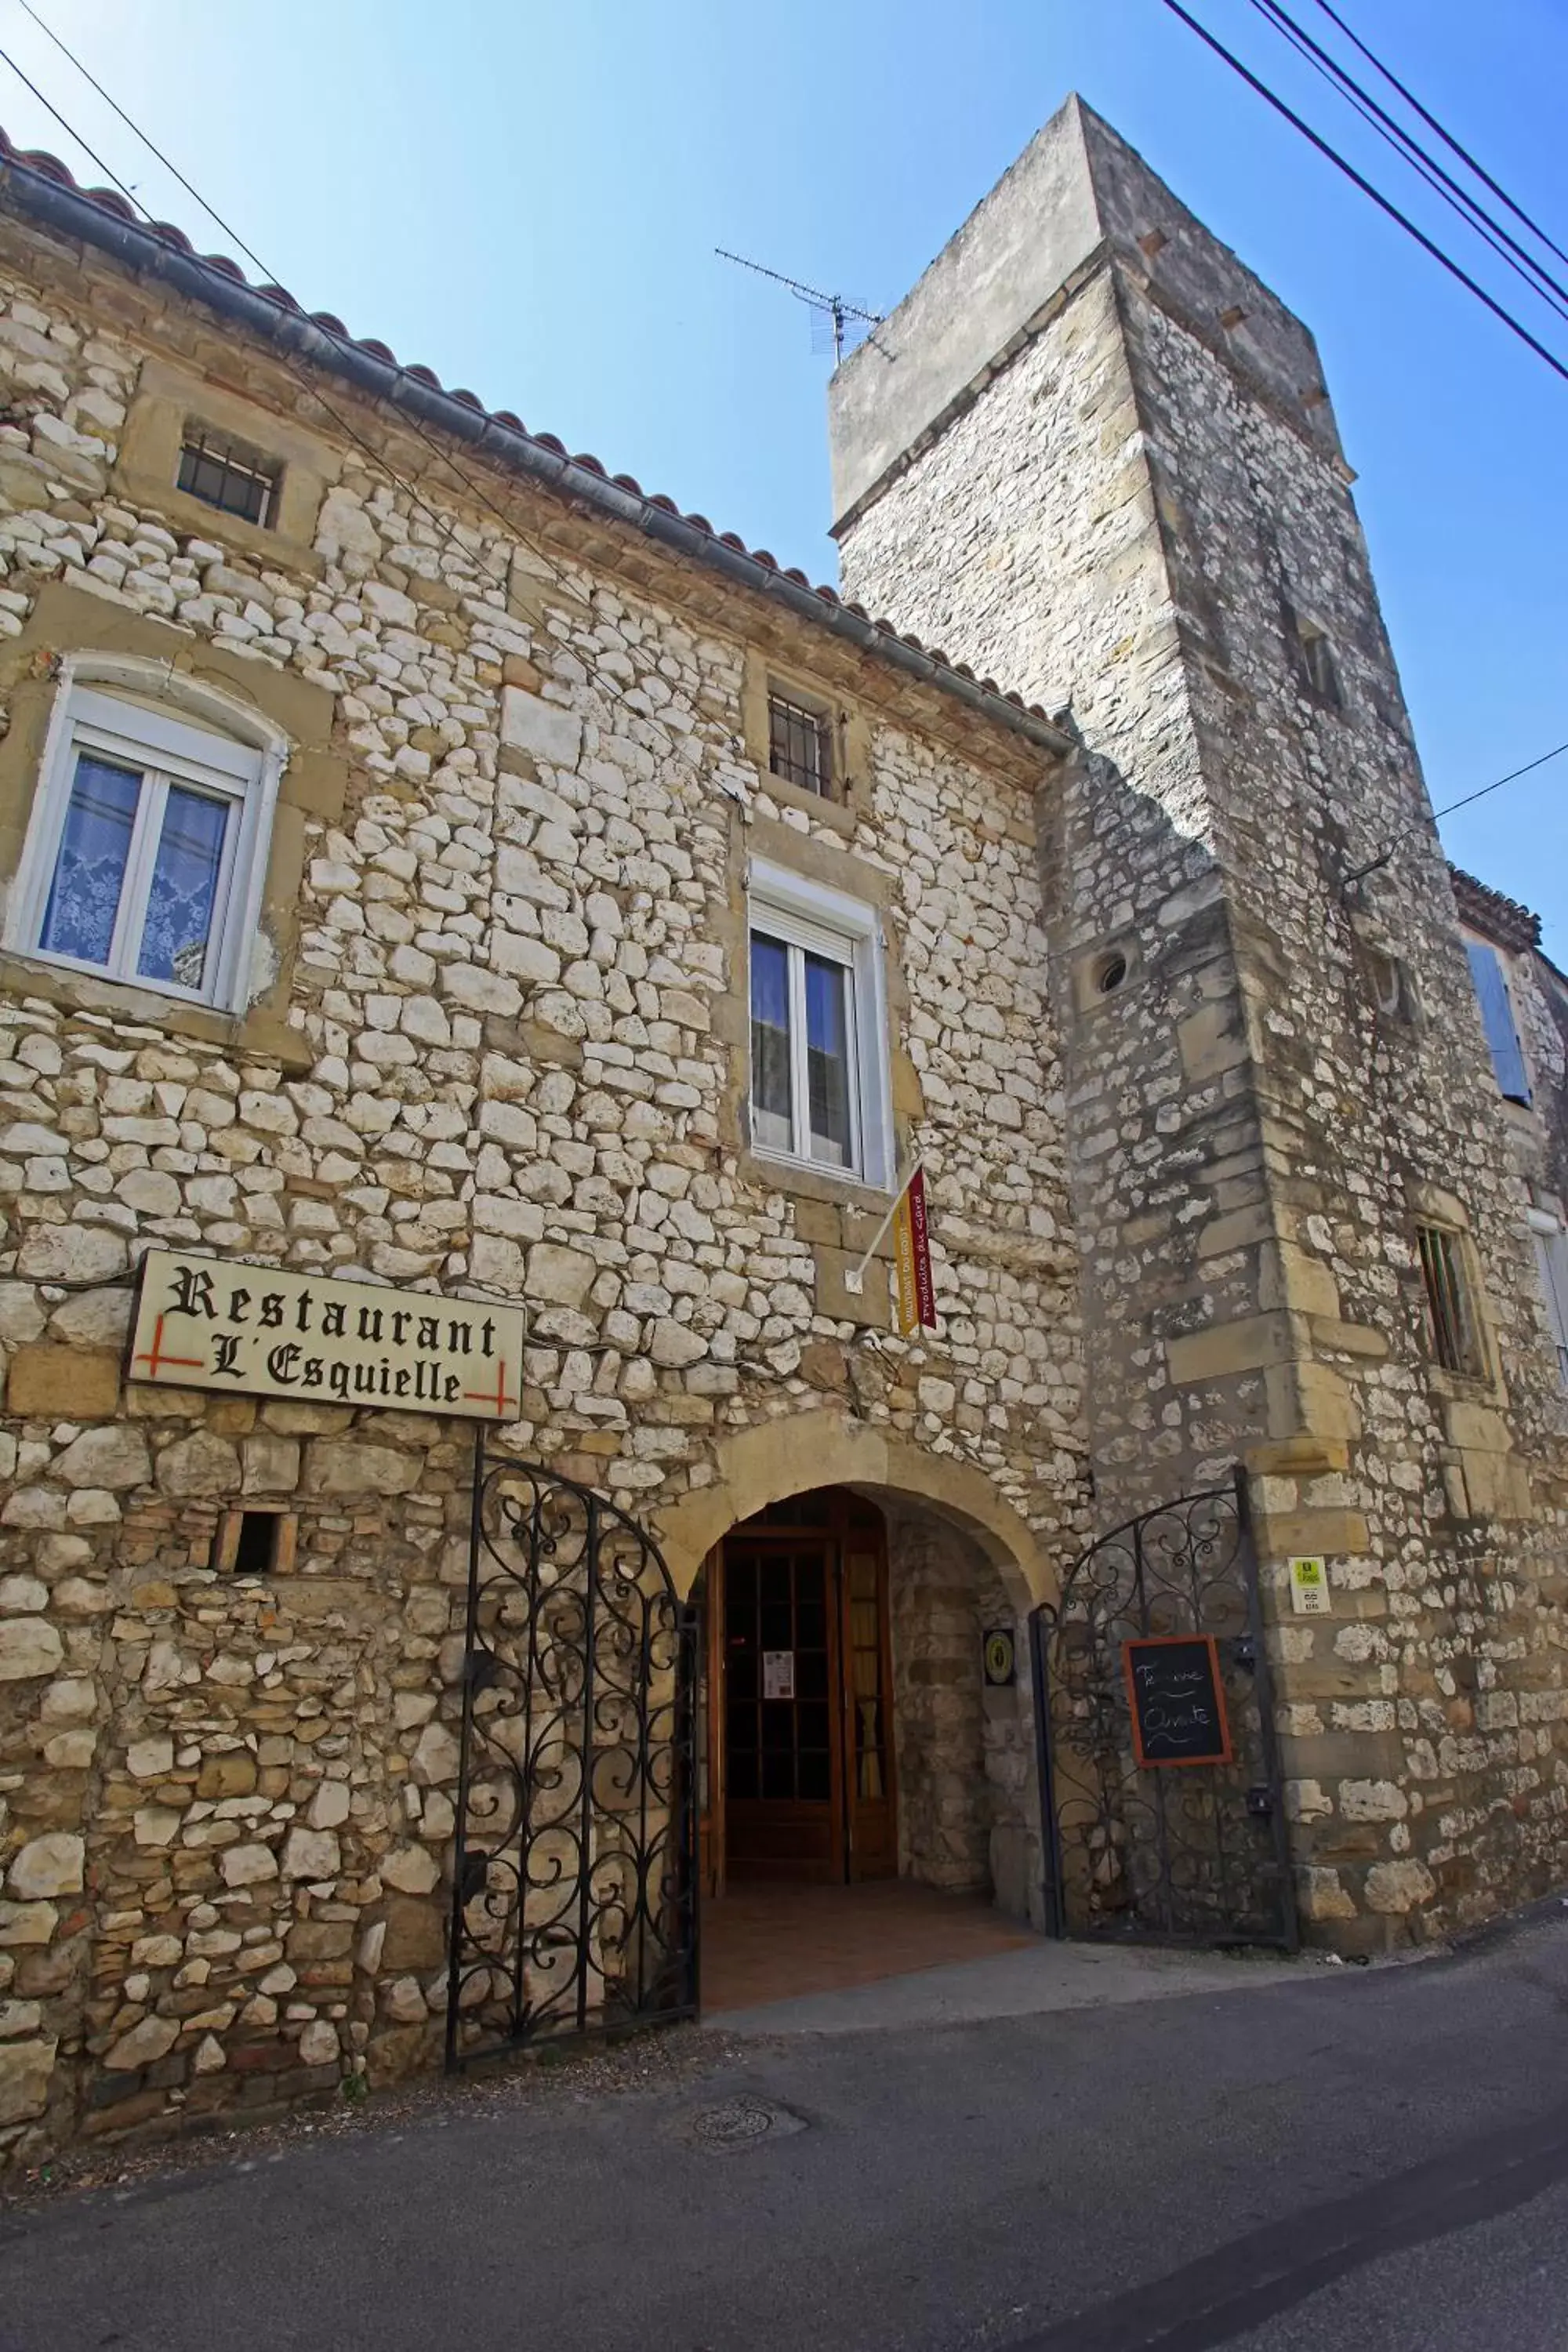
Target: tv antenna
x,y
831,313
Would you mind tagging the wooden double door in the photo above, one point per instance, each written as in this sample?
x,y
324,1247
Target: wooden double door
x,y
799,1764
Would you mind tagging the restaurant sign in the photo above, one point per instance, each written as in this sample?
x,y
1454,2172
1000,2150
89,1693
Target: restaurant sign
x,y
254,1330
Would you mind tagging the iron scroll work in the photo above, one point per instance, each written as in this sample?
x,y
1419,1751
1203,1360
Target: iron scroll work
x,y
575,1879
1172,1850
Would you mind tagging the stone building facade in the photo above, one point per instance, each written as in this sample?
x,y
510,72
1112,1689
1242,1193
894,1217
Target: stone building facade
x,y
391,807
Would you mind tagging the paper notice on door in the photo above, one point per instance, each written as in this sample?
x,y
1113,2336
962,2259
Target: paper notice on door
x,y
778,1674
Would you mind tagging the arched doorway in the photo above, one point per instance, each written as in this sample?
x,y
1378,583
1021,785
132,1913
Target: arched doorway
x,y
866,1789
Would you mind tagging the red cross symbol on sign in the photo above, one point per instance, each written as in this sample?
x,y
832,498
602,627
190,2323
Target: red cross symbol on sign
x,y
156,1360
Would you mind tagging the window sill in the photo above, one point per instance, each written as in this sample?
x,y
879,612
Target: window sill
x,y
256,1033
192,518
839,816
812,1184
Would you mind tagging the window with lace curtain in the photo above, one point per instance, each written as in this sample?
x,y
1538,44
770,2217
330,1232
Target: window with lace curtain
x,y
144,847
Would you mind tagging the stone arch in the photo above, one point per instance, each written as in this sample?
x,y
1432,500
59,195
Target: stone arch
x,y
773,1460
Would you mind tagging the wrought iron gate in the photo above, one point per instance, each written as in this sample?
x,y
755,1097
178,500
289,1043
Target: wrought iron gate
x,y
574,1881
1192,1853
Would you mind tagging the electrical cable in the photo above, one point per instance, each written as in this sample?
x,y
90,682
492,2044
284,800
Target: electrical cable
x,y
1383,204
447,529
1459,199
1431,120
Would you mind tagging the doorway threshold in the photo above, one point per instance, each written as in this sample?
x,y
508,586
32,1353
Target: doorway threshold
x,y
766,1944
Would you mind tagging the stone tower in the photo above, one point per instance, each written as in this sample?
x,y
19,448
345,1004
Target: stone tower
x,y
1092,456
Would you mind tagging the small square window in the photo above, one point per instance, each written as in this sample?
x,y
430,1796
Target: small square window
x,y
1450,1310
800,744
227,474
258,1542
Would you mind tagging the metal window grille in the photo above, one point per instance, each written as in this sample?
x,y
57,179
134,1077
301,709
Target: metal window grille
x,y
800,745
1455,1340
225,475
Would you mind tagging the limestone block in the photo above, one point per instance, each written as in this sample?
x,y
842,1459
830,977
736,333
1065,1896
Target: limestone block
x,y
319,2043
50,1864
143,2045
1373,1800
411,1869
28,1646
155,1826
528,723
405,2000
25,2071
477,988
46,1380
248,1865
562,1276
210,2057
95,1319
113,1458
198,1467
330,1806
675,1345
23,1596
312,1853
21,1316
1399,1887
70,1254
334,1468
27,1922
271,1463
435,1757
18,2018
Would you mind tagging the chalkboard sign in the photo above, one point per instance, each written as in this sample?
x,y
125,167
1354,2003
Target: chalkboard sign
x,y
1178,1708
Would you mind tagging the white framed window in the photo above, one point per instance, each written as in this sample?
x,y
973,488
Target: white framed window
x,y
1550,1236
819,1081
145,851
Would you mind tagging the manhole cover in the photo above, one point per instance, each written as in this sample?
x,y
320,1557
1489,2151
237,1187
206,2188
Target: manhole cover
x,y
741,2124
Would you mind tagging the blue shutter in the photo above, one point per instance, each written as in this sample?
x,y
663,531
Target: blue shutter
x,y
1496,1019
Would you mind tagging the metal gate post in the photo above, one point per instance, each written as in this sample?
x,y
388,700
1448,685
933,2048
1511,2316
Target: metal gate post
x,y
1050,1830
1269,1733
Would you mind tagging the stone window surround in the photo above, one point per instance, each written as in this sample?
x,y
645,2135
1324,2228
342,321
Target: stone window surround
x,y
72,624
851,739
856,924
168,400
128,681
1432,1204
837,1215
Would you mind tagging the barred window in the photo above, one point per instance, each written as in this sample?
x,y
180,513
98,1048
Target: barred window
x,y
227,475
800,744
1450,1310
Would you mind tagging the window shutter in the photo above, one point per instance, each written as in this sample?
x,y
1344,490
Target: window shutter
x,y
1497,1018
1552,1256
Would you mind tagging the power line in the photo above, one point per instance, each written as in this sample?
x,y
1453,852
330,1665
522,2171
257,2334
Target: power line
x,y
1367,189
1459,199
1431,120
446,528
1418,823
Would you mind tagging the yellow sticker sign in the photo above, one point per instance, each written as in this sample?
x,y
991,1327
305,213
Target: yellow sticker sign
x,y
1309,1595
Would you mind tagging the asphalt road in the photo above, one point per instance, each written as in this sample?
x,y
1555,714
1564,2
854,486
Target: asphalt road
x,y
1349,2158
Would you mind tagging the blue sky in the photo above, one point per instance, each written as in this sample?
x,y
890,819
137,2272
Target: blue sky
x,y
526,197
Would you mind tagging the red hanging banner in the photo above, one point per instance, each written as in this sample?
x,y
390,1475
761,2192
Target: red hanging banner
x,y
919,1250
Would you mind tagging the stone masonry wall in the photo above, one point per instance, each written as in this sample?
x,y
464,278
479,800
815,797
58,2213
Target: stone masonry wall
x,y
510,1062
968,1808
1129,512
